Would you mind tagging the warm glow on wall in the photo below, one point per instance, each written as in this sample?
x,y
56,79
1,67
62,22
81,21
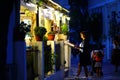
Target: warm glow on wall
x,y
47,13
68,18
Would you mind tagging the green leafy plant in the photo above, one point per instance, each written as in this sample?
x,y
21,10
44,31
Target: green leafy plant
x,y
40,2
52,32
45,39
20,31
49,58
64,29
40,31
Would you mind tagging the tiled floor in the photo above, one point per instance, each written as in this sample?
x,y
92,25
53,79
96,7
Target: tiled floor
x,y
108,73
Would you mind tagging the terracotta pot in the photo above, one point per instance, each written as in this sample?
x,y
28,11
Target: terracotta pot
x,y
38,38
51,36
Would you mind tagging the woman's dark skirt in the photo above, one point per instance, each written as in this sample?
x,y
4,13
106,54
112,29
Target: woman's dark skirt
x,y
115,57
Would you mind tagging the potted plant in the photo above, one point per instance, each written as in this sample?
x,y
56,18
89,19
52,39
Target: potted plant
x,y
64,32
51,35
64,29
39,32
20,31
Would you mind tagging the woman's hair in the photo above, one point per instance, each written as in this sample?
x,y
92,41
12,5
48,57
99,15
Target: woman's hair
x,y
116,40
84,33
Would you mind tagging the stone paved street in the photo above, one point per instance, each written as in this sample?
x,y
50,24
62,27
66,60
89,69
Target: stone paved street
x,y
108,72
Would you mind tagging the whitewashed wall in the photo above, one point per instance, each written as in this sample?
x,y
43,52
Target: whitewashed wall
x,y
106,6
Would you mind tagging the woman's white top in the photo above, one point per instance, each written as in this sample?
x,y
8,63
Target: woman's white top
x,y
81,45
116,46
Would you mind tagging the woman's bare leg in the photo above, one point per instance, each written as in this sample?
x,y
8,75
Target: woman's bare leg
x,y
79,69
86,71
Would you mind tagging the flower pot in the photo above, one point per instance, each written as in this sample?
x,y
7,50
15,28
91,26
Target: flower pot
x,y
51,36
38,38
60,37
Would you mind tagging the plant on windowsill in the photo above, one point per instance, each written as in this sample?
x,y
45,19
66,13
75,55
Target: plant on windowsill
x,y
20,31
39,33
64,29
51,35
64,32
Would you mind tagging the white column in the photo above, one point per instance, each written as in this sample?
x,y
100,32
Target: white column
x,y
40,47
69,49
66,51
106,26
62,56
62,52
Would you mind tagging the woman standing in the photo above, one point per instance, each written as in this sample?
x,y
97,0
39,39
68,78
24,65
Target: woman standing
x,y
84,53
115,58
